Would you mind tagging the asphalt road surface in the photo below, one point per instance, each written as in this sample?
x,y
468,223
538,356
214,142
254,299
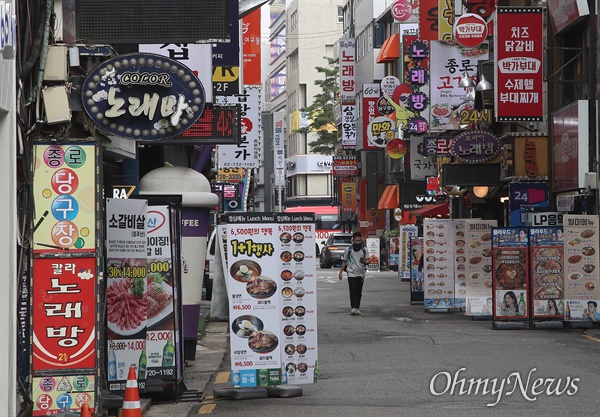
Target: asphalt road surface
x,y
383,362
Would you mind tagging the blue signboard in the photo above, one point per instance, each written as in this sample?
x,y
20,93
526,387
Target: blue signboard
x,y
523,196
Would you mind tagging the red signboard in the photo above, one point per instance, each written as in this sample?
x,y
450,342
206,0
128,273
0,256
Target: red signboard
x,y
428,20
519,77
564,13
371,94
251,48
345,167
64,314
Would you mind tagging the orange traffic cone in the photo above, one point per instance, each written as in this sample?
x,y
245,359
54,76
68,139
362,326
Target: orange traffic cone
x,y
131,401
85,410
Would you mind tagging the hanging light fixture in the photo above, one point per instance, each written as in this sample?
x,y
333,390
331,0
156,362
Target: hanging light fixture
x,y
466,81
481,191
470,94
483,84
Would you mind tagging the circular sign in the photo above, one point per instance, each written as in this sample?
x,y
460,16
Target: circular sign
x,y
475,146
417,125
396,148
389,84
470,30
143,96
384,106
398,214
402,10
380,131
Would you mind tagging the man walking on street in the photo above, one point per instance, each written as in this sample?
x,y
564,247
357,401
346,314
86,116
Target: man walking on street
x,y
353,262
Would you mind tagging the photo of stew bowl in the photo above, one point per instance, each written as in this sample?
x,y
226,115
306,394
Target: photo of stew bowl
x,y
286,275
298,256
300,329
590,286
588,268
430,243
574,276
261,287
289,349
287,292
262,342
460,243
588,251
302,367
244,270
573,259
300,311
243,326
289,330
298,237
285,237
286,256
301,349
287,311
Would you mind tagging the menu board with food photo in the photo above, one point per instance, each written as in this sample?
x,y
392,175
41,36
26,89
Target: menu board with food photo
x,y
547,271
253,259
438,265
477,256
373,245
298,299
459,265
415,248
581,266
406,233
126,298
158,359
510,272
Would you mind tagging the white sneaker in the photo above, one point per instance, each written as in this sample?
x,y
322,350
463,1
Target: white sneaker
x,y
358,313
353,312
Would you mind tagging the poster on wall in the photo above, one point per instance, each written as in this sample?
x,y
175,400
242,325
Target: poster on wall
x,y
581,266
510,272
52,395
406,233
478,280
394,253
460,265
438,265
126,301
546,250
415,264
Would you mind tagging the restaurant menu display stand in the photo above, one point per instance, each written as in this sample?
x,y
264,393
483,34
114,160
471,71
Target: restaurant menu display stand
x,y
510,272
546,254
582,278
415,263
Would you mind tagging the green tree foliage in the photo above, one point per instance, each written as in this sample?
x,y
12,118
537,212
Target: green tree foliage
x,y
320,112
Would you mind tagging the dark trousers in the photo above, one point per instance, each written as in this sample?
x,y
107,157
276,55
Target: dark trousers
x,y
355,284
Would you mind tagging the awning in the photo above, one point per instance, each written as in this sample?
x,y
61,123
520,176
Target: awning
x,y
390,199
390,49
432,211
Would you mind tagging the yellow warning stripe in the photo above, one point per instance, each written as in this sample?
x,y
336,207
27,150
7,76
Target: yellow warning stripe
x,y
222,377
595,339
207,409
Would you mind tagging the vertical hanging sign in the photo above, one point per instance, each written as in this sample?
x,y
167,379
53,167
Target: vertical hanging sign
x,y
347,56
519,78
